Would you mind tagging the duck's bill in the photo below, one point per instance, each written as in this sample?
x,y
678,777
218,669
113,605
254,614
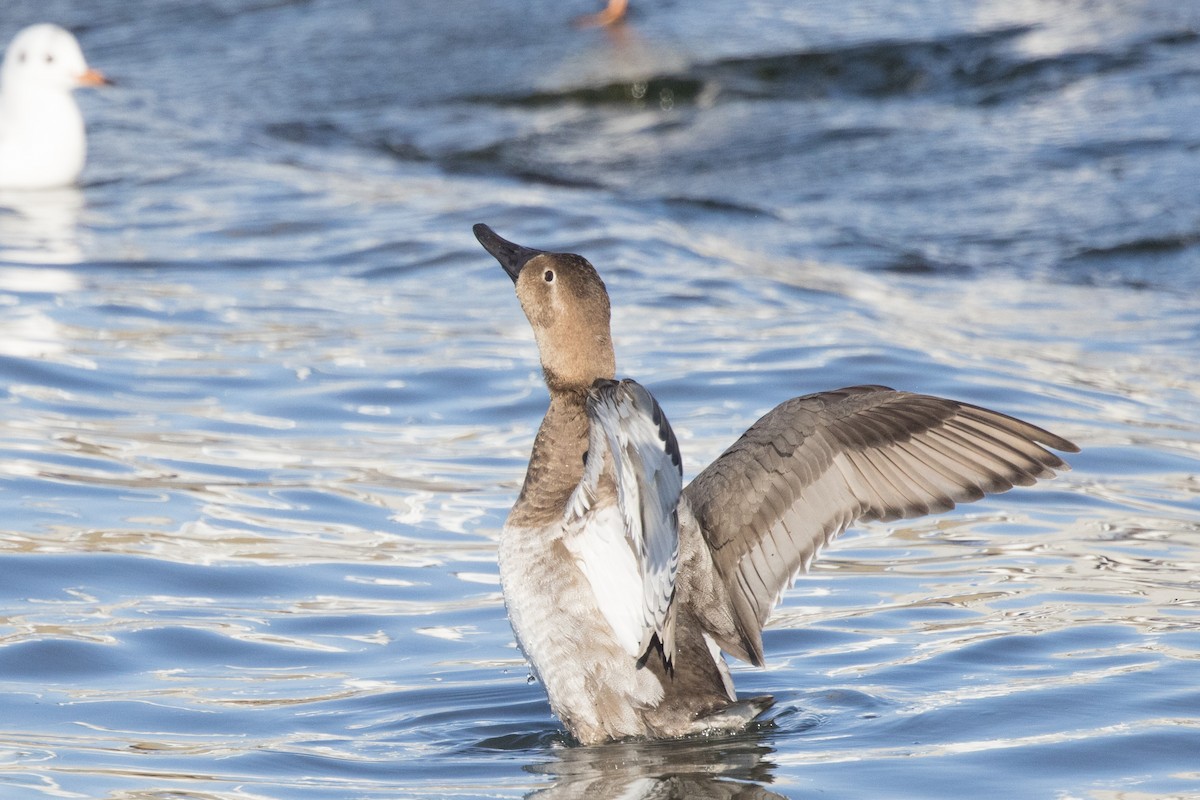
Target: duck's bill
x,y
511,255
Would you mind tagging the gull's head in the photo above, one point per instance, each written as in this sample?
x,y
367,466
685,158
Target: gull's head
x,y
46,58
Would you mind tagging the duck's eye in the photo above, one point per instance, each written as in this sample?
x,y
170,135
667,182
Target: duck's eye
x,y
21,57
49,58
549,276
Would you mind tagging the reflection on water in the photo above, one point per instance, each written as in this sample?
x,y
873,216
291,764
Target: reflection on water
x,y
41,227
724,768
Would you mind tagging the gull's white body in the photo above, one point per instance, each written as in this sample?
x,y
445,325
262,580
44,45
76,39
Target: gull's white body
x,y
43,144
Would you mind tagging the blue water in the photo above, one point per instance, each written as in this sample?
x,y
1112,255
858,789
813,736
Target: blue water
x,y
264,402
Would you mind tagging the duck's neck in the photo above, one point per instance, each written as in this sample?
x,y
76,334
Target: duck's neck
x,y
556,466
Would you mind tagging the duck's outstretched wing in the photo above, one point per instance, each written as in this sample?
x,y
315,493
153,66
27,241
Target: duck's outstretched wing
x,y
632,573
815,464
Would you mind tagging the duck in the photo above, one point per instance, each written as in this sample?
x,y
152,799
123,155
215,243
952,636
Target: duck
x,y
42,140
627,590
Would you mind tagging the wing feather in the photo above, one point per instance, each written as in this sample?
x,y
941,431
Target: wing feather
x,y
632,447
813,465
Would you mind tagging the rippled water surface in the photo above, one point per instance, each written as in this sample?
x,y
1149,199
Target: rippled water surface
x,y
265,403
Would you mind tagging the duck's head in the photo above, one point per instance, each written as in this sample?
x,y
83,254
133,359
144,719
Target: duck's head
x,y
567,305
